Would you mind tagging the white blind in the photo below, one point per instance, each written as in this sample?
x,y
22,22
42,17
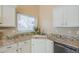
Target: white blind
x,y
25,23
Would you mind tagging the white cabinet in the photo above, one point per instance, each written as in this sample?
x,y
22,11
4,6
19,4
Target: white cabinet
x,y
71,16
0,11
11,48
50,46
21,47
8,16
58,17
38,46
42,46
2,49
0,14
66,16
24,46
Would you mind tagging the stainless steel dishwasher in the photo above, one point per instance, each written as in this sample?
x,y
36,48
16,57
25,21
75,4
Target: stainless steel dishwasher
x,y
62,48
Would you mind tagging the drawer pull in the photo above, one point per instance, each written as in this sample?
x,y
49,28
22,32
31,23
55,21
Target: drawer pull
x,y
17,50
20,48
0,23
8,47
25,42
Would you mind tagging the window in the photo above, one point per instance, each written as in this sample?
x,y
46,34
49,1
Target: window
x,y
25,23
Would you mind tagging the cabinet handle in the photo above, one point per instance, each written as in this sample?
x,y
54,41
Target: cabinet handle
x,y
20,48
8,47
62,24
33,44
1,20
17,50
25,42
0,23
51,43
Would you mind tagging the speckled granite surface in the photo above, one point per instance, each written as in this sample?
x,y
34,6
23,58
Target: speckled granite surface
x,y
20,38
64,40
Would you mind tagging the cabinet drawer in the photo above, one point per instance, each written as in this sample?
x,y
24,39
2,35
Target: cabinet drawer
x,y
11,48
39,45
24,47
8,16
24,43
2,49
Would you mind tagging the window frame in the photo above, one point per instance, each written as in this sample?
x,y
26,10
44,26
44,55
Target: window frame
x,y
24,15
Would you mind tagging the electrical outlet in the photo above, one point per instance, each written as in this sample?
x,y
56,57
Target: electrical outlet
x,y
77,32
69,32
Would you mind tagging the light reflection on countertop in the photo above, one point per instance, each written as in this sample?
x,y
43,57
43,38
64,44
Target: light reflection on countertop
x,y
68,40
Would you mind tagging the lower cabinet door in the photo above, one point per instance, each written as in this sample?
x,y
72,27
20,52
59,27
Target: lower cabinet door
x,y
11,48
24,47
2,49
50,46
38,45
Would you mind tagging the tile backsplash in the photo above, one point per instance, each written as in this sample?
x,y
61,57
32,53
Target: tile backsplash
x,y
77,32
70,31
8,31
66,30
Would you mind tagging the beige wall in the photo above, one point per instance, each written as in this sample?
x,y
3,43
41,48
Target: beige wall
x,y
45,18
28,9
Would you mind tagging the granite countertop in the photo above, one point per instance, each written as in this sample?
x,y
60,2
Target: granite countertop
x,y
64,40
20,38
11,40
